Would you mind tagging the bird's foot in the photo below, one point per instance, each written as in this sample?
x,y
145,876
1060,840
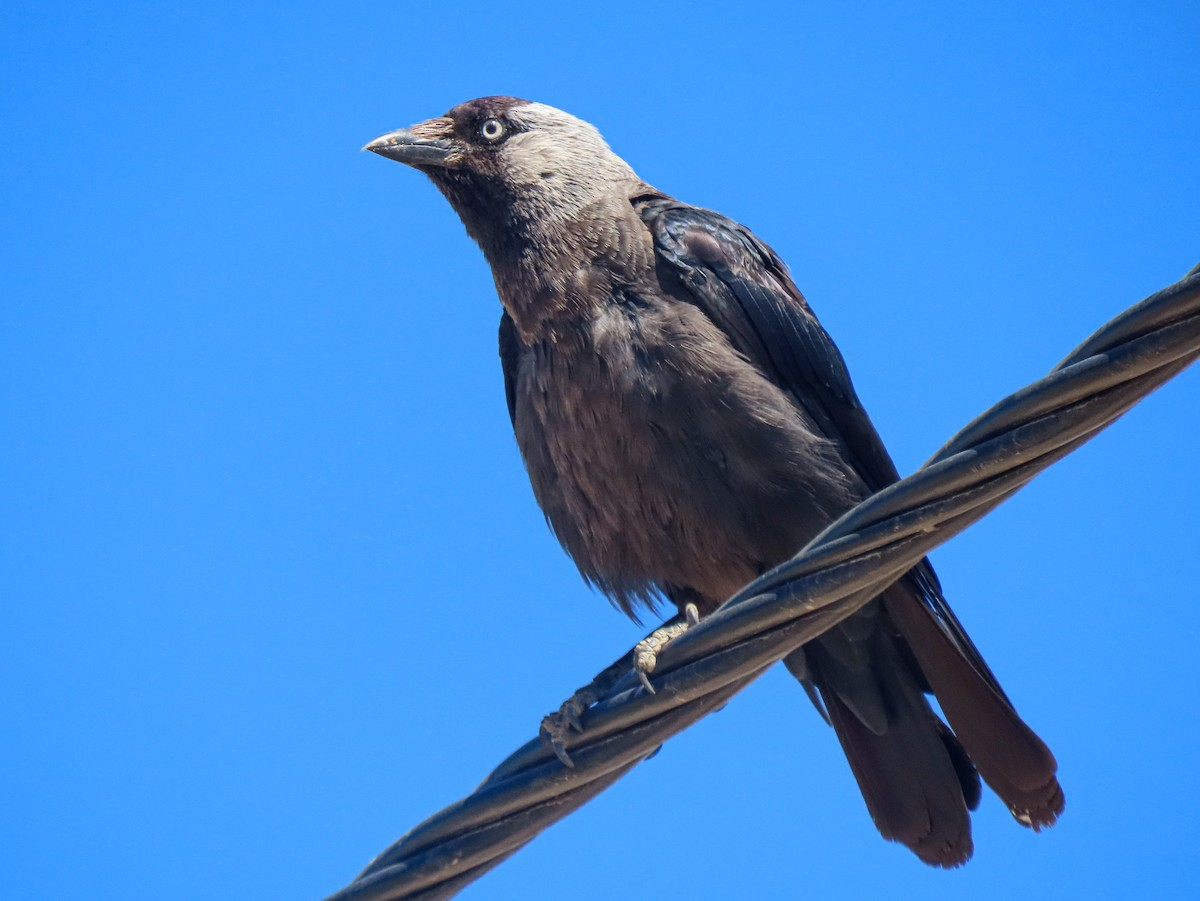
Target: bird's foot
x,y
645,654
557,726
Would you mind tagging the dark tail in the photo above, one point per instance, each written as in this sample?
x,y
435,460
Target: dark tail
x,y
919,778
1008,754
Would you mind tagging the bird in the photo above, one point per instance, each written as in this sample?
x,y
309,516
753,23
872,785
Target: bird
x,y
687,423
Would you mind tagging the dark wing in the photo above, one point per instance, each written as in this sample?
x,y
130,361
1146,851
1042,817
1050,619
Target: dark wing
x,y
745,289
510,350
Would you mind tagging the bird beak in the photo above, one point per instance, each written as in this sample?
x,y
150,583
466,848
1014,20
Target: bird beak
x,y
426,144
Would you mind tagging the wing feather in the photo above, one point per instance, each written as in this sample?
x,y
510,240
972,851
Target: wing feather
x,y
744,288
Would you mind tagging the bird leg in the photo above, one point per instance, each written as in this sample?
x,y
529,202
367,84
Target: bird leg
x,y
645,653
557,726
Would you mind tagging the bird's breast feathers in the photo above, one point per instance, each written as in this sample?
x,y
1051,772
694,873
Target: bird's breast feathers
x,y
642,428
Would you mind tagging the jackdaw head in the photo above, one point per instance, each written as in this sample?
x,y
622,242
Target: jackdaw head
x,y
516,172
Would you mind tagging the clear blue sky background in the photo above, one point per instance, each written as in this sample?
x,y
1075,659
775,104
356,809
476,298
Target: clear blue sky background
x,y
274,587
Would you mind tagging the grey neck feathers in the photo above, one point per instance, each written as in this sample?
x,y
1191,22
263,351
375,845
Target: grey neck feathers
x,y
554,219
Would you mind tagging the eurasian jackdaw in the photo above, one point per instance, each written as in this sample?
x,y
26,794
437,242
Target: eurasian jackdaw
x,y
687,424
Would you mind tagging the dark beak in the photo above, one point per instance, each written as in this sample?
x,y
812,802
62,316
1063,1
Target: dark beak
x,y
405,146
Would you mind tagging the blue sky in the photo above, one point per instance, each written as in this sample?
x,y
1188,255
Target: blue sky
x,y
273,587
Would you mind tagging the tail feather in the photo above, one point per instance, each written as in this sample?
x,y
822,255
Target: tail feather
x,y
1008,754
917,781
919,776
968,776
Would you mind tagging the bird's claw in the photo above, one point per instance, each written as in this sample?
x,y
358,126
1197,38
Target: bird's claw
x,y
561,723
644,676
573,719
560,751
645,655
553,733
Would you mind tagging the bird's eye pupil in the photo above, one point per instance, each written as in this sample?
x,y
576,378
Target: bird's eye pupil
x,y
492,129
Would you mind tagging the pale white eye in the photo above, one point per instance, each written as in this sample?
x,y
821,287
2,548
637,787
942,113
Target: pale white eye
x,y
492,130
